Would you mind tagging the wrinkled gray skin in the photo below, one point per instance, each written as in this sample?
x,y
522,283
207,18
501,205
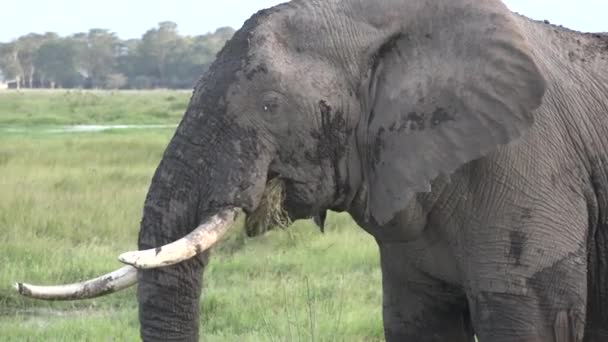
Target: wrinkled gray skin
x,y
471,142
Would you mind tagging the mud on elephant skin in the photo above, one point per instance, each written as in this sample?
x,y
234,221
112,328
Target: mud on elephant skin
x,y
469,141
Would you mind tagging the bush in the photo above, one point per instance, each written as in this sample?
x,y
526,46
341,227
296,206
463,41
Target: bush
x,y
116,81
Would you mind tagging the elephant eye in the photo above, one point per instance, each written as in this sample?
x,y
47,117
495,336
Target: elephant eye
x,y
271,101
270,105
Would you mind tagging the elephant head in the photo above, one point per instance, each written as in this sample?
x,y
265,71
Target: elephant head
x,y
353,105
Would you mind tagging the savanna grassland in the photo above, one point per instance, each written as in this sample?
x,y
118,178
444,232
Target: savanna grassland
x,y
70,203
72,107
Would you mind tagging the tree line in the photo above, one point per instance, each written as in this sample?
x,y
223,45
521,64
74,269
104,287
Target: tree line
x,y
161,58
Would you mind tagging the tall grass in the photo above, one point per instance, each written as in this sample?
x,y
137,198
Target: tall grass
x,y
70,203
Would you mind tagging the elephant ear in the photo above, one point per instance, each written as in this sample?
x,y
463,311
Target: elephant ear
x,y
445,88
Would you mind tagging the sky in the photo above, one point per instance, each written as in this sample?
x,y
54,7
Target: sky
x,y
131,18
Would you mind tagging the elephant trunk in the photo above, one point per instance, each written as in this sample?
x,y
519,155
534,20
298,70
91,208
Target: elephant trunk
x,y
169,297
199,183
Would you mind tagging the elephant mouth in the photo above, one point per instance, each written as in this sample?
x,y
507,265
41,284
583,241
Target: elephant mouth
x,y
271,212
283,201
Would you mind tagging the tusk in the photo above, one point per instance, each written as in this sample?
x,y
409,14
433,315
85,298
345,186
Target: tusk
x,y
200,240
118,280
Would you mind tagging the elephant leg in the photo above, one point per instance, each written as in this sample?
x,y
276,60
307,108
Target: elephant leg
x,y
596,335
597,310
418,307
502,317
528,290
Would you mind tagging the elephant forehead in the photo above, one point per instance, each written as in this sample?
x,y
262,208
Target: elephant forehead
x,y
242,54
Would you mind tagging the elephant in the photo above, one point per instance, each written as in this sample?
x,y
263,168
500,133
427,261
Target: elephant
x,y
470,141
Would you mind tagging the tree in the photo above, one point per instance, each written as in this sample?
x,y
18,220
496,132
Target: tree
x,y
56,63
155,49
9,62
27,47
127,62
97,51
99,59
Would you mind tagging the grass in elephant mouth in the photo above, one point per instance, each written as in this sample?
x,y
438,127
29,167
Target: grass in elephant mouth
x,y
271,213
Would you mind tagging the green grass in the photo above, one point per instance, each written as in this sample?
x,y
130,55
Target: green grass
x,y
69,107
71,203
